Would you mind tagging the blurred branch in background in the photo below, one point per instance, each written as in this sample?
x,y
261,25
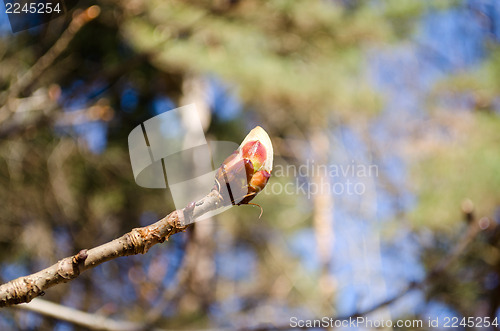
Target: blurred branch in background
x,y
18,114
80,18
474,228
77,317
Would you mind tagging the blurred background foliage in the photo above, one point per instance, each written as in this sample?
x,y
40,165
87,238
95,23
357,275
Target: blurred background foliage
x,y
409,86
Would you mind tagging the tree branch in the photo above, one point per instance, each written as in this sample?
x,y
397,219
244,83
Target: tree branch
x,y
454,254
78,317
80,18
139,240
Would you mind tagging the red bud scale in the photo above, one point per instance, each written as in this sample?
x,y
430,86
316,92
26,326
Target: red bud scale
x,y
246,172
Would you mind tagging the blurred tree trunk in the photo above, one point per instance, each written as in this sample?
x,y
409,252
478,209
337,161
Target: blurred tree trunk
x,y
323,204
199,269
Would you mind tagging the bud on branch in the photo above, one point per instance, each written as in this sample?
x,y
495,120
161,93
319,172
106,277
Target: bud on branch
x,y
238,180
246,172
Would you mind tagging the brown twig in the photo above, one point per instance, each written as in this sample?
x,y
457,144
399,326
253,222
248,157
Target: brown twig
x,y
468,236
80,18
139,240
78,317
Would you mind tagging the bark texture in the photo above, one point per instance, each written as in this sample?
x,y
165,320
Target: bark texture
x,y
137,241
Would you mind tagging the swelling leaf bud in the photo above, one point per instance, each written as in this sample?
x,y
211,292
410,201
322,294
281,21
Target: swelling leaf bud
x,y
246,172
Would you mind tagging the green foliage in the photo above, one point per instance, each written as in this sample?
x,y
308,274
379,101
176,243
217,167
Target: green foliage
x,y
291,54
481,84
458,170
466,167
